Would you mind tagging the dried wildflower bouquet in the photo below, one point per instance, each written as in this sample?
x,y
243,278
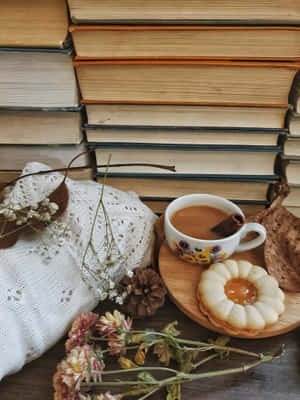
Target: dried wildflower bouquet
x,y
93,339
64,246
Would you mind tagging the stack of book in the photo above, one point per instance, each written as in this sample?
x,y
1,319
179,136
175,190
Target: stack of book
x,y
40,116
203,87
291,153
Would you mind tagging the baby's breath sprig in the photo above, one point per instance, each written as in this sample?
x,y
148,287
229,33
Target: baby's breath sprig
x,y
92,265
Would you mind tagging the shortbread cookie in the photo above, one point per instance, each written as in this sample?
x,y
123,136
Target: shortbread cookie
x,y
240,297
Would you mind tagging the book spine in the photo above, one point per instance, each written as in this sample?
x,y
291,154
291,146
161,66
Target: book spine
x,y
184,147
194,177
48,109
277,131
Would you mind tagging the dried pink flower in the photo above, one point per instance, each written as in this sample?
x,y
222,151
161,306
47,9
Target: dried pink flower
x,y
81,365
62,391
109,323
80,330
114,326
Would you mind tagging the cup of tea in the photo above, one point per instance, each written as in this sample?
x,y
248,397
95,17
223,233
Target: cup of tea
x,y
189,222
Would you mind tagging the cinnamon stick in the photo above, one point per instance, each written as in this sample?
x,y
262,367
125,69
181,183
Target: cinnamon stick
x,y
229,225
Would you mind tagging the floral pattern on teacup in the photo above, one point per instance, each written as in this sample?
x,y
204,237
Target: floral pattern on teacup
x,y
203,256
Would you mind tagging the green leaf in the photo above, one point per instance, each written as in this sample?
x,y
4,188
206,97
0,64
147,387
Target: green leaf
x,y
99,354
137,338
221,341
146,377
174,391
171,330
187,364
150,336
178,355
163,351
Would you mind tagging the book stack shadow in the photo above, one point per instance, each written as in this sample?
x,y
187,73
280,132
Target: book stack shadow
x,y
40,114
201,87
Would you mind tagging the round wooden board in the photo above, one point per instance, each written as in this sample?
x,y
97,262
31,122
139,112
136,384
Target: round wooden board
x,y
181,279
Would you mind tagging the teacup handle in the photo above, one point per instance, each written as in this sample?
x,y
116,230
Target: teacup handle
x,y
252,227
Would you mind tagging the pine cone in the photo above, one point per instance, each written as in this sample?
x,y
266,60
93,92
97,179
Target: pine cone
x,y
146,293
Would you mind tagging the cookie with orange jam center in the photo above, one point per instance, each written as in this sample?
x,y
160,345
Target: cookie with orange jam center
x,y
240,296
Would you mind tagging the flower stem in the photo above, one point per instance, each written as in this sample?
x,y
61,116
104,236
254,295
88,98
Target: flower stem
x,y
149,394
183,377
204,360
174,371
205,346
14,231
115,383
243,368
96,214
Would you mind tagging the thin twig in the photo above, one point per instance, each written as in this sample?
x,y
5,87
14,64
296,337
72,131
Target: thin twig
x,y
67,169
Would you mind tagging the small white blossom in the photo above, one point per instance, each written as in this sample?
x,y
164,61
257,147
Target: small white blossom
x,y
112,294
130,274
119,300
34,206
103,296
45,202
33,214
12,217
45,217
111,284
103,275
53,208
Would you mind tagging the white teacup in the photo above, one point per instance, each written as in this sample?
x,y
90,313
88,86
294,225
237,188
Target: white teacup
x,y
205,252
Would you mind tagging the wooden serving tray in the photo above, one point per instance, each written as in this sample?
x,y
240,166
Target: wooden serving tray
x,y
181,279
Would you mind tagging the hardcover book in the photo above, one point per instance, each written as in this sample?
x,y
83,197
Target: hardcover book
x,y
293,124
177,115
179,136
33,23
291,170
174,186
32,126
187,82
37,78
77,173
187,11
14,157
198,162
186,42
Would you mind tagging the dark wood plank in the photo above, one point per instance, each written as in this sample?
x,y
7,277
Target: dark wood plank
x,y
278,380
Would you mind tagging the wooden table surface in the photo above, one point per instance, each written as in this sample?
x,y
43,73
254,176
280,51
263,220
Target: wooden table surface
x,y
276,380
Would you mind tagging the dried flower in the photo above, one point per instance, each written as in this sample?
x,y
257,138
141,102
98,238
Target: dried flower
x,y
163,351
81,365
82,368
62,391
141,353
78,335
125,363
115,327
110,324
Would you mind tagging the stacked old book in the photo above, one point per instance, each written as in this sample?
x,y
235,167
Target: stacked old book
x,y
198,86
291,152
40,115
